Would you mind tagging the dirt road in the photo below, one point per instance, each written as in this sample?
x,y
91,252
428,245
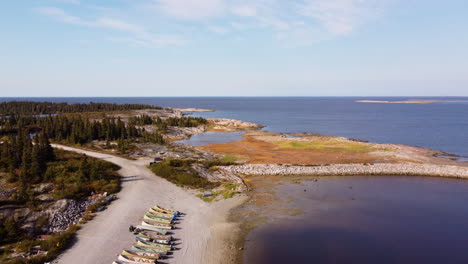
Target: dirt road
x,y
203,233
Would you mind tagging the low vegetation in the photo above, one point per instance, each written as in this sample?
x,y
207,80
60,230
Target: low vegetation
x,y
326,145
180,172
227,191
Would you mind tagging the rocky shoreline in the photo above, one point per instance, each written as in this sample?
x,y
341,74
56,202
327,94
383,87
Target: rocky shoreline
x,y
352,170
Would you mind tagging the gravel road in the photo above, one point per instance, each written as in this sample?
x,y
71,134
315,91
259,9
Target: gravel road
x,y
202,231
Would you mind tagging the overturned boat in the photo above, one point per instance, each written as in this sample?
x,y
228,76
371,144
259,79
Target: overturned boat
x,y
153,217
149,239
161,214
155,235
136,259
155,224
141,254
147,249
166,211
153,245
141,228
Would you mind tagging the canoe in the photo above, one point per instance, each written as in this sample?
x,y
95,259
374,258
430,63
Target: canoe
x,y
147,249
149,239
136,259
157,219
163,210
153,245
155,235
161,214
140,228
119,262
141,254
156,225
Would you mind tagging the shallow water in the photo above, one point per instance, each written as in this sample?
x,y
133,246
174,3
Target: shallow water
x,y
363,220
211,137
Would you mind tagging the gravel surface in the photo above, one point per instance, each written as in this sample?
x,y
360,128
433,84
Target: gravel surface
x,y
352,169
202,231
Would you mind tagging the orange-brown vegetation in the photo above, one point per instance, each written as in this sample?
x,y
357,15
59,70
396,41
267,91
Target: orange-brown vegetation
x,y
260,147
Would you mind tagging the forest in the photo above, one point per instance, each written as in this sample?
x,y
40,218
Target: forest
x,y
42,108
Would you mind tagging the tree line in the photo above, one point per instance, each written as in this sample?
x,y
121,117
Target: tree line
x,y
163,124
77,129
40,108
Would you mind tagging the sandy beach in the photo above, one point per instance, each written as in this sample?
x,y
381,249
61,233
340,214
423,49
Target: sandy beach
x,y
204,233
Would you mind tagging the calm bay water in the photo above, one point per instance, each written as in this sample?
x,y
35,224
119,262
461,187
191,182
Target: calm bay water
x,y
441,126
367,220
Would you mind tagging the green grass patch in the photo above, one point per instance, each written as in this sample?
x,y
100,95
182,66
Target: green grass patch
x,y
327,145
180,172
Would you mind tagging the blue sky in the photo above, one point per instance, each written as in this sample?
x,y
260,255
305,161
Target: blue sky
x,y
234,48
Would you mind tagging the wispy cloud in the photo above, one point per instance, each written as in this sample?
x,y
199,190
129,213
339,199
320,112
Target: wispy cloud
x,y
138,34
191,9
340,17
299,21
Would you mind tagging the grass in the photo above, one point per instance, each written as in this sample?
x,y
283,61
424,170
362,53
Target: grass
x,y
327,145
229,159
180,172
228,192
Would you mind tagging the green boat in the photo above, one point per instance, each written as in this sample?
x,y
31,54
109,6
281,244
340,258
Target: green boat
x,y
157,219
147,249
141,254
150,228
161,214
156,240
153,245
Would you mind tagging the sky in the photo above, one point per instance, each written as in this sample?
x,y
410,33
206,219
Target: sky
x,y
77,48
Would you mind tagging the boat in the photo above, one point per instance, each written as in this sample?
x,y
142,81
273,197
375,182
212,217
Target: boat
x,y
153,245
156,244
141,254
157,219
141,228
161,214
155,235
149,239
162,252
163,210
119,262
136,259
156,225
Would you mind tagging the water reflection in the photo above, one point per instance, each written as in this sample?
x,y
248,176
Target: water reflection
x,y
212,138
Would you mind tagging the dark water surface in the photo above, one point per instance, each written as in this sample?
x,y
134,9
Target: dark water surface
x,y
440,126
368,220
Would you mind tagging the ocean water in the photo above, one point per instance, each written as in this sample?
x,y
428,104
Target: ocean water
x,y
442,126
367,220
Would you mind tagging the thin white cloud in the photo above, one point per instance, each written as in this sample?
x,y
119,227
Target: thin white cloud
x,y
340,17
300,21
139,35
191,9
